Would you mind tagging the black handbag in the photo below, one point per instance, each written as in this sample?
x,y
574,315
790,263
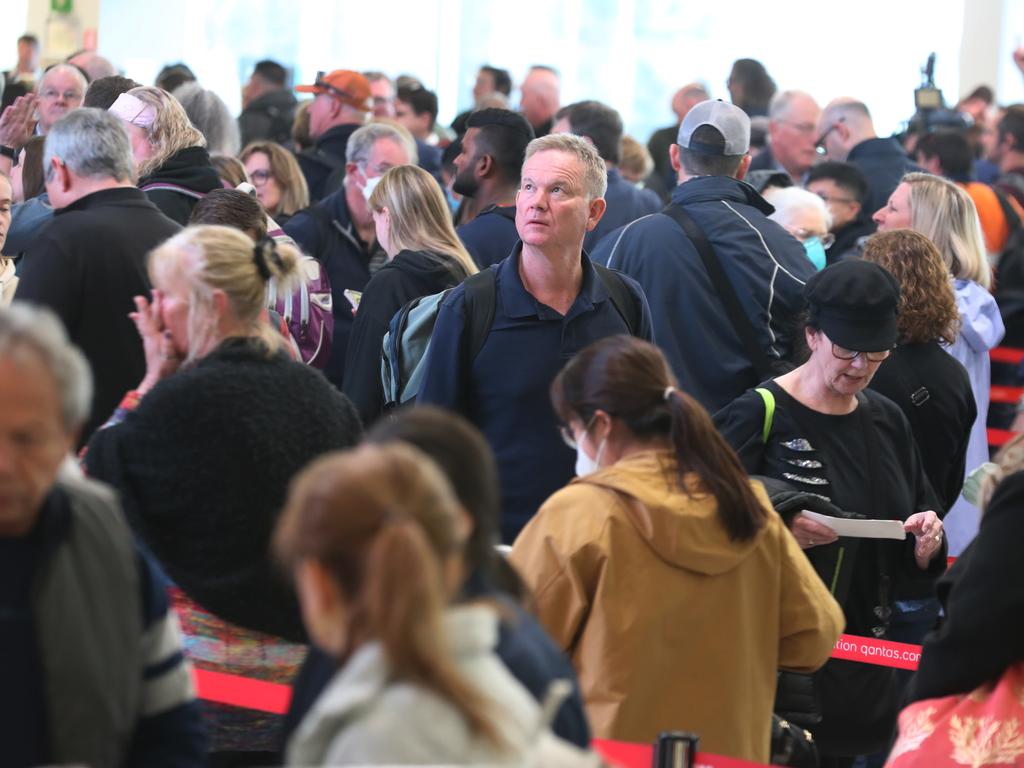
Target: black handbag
x,y
792,745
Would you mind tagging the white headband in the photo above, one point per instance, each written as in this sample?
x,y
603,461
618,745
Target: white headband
x,y
133,110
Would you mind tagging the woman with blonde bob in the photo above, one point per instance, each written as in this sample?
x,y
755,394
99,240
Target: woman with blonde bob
x,y
930,387
202,452
280,186
425,256
373,538
946,215
171,160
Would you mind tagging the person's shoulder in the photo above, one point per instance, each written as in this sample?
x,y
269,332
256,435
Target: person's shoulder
x,y
748,407
560,516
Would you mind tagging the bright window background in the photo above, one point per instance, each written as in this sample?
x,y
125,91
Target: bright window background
x,y
630,53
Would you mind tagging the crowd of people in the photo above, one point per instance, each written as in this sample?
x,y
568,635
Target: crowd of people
x,y
493,439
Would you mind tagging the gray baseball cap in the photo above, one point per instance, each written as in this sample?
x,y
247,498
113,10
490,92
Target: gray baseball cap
x,y
728,119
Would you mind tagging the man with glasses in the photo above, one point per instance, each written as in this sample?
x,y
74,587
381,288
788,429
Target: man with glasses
x,y
846,133
792,130
60,90
342,99
843,188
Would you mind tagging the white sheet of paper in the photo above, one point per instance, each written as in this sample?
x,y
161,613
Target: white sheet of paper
x,y
862,529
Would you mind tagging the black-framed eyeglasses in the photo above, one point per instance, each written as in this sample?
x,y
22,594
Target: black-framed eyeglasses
x,y
848,354
826,240
260,176
819,145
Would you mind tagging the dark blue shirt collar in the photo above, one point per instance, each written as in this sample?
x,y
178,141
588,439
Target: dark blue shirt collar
x,y
518,302
702,189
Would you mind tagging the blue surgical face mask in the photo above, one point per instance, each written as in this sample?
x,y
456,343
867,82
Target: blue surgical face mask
x,y
815,252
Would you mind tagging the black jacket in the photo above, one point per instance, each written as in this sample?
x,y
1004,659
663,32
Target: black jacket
x,y
325,232
408,276
325,161
983,598
934,392
625,203
179,183
203,466
87,265
268,118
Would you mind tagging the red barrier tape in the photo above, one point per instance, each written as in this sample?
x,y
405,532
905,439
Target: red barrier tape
x,y
999,437
244,692
882,653
998,394
1006,355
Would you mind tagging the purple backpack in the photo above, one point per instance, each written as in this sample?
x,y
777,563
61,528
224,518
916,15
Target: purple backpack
x,y
308,311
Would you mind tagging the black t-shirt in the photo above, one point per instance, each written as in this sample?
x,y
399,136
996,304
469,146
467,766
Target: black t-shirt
x,y
829,455
942,417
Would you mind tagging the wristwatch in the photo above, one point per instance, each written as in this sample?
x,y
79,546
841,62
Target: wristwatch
x,y
10,152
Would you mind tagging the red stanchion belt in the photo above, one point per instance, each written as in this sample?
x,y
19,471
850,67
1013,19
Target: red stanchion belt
x,y
1006,355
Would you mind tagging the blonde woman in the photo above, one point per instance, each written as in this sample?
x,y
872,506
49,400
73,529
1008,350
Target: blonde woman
x,y
945,214
425,256
171,160
202,452
280,186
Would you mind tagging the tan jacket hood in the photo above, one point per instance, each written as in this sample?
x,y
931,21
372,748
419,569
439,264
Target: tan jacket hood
x,y
680,525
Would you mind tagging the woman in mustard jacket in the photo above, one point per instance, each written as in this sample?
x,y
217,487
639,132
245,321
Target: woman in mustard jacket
x,y
662,570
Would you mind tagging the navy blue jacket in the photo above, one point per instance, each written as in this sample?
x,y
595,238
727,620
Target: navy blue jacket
x,y
529,653
883,162
504,390
325,156
325,232
626,202
765,264
491,236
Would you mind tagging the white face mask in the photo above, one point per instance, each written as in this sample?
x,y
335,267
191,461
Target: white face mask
x,y
370,185
586,465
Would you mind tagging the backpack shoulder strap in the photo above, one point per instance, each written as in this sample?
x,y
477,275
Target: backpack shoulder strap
x,y
481,298
625,300
769,412
723,288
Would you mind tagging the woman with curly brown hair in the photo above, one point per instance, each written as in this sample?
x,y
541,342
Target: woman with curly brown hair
x,y
930,387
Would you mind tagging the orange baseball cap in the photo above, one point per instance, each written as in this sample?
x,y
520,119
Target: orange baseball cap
x,y
345,85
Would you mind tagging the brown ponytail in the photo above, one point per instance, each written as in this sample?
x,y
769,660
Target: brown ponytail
x,y
377,518
630,380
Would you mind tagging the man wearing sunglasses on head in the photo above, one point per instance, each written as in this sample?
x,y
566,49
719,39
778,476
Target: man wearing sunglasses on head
x,y
341,104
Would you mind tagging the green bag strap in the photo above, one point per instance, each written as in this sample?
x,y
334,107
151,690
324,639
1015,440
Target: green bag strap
x,y
769,412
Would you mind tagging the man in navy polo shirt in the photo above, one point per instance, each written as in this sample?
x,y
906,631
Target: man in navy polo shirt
x,y
549,304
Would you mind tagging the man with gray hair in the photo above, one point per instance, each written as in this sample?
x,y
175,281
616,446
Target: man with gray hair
x,y
92,656
89,262
503,334
339,231
716,353
847,133
61,90
792,131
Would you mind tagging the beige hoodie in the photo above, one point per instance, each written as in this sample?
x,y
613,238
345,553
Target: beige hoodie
x,y
670,625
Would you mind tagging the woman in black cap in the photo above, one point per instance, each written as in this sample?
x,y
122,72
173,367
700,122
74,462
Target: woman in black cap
x,y
820,430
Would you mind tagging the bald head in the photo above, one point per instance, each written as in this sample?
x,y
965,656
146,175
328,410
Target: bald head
x,y
540,96
687,97
61,89
844,124
95,66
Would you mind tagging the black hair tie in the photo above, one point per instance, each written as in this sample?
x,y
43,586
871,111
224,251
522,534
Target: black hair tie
x,y
259,257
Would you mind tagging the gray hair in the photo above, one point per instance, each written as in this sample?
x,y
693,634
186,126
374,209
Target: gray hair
x,y
361,142
782,101
210,115
595,172
92,143
789,201
36,330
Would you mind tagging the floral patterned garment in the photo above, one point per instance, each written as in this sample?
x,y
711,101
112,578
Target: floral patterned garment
x,y
984,727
